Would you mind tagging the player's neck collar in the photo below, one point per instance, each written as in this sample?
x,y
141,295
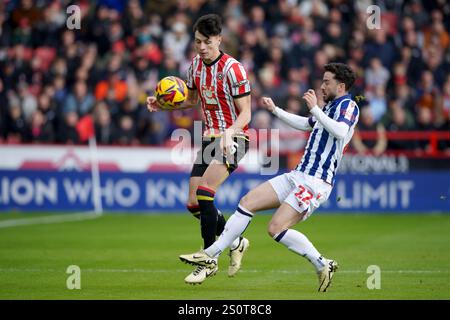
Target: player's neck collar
x,y
345,96
336,101
217,59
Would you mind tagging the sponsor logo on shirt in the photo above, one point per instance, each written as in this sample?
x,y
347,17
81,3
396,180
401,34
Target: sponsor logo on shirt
x,y
209,95
240,83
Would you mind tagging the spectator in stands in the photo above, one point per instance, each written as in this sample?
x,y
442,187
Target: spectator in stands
x,y
366,122
334,36
398,120
176,41
158,130
26,11
428,95
114,87
104,127
47,109
28,102
16,126
257,19
126,132
405,97
377,102
169,67
424,123
41,129
433,60
400,76
67,132
60,92
79,100
379,46
435,34
134,17
415,10
376,75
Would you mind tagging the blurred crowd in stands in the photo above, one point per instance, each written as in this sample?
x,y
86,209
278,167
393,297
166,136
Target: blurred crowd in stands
x,y
52,76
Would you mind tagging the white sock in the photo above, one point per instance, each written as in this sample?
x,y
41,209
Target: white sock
x,y
234,227
235,243
299,243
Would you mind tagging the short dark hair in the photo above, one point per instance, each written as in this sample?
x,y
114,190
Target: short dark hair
x,y
209,25
342,73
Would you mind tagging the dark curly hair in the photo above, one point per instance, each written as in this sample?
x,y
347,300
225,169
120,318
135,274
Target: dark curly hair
x,y
342,73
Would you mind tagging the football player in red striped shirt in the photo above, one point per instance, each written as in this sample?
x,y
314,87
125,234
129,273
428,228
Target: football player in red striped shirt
x,y
220,83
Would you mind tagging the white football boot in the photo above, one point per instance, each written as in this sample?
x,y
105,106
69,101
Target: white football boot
x,y
200,274
326,274
236,256
199,258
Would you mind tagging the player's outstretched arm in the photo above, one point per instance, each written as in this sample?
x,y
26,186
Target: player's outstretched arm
x,y
293,120
335,128
190,102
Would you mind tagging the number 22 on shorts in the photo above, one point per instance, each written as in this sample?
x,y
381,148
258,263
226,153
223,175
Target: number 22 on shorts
x,y
303,195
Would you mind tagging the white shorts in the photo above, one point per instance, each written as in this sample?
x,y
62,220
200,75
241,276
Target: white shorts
x,y
302,192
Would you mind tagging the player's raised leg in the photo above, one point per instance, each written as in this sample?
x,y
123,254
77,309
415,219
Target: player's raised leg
x,y
256,200
279,229
261,198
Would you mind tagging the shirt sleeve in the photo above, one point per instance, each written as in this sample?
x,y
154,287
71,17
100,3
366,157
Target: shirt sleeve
x,y
348,112
238,81
190,83
293,120
336,128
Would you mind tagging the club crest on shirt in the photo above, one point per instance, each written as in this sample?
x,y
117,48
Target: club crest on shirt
x,y
219,76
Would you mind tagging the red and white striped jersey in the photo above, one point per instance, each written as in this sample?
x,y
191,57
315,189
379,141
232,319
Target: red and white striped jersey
x,y
217,84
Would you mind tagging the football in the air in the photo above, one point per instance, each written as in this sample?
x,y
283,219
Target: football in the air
x,y
171,92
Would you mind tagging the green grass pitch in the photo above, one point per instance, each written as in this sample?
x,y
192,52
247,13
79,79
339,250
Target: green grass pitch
x,y
135,256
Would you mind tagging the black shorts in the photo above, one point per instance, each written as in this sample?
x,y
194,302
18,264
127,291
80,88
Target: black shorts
x,y
211,150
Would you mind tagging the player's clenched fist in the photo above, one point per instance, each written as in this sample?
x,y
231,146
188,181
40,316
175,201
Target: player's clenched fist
x,y
310,98
268,103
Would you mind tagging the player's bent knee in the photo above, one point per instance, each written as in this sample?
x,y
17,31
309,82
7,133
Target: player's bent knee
x,y
273,229
247,203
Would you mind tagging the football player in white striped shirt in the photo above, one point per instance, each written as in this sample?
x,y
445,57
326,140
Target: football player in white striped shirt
x,y
299,193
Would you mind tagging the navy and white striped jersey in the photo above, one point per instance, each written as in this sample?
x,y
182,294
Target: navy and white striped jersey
x,y
323,151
